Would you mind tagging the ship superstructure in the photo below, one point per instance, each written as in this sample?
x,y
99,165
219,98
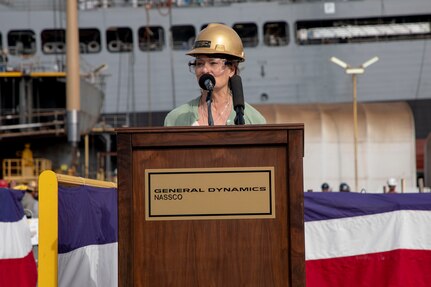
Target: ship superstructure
x,y
287,44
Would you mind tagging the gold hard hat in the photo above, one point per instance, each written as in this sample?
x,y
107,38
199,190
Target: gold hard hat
x,y
218,39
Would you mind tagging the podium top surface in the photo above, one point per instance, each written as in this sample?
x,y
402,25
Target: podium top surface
x,y
290,126
258,135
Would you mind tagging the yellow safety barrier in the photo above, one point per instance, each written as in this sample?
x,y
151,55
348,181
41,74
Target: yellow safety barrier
x,y
48,221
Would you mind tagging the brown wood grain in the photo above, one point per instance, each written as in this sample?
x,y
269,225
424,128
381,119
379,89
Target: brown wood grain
x,y
125,208
231,252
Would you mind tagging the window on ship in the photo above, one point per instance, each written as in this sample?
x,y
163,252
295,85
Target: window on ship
x,y
151,38
183,37
248,33
53,41
377,29
89,41
21,42
119,39
275,33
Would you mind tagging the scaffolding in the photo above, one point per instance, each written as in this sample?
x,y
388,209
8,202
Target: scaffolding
x,y
14,169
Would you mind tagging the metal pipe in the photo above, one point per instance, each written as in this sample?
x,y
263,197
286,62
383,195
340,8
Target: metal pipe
x,y
355,128
73,78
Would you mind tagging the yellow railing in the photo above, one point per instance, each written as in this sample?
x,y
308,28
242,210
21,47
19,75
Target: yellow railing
x,y
15,170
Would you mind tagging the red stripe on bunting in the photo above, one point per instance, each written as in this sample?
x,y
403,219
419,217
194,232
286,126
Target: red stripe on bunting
x,y
396,268
18,272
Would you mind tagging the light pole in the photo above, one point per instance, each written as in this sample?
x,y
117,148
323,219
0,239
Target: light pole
x,y
354,71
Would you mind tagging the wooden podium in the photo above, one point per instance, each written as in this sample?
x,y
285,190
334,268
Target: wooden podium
x,y
266,252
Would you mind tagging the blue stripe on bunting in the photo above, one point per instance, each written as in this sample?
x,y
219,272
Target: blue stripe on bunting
x,y
86,216
10,207
331,205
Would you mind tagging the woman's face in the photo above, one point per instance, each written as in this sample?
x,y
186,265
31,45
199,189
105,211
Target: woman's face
x,y
216,67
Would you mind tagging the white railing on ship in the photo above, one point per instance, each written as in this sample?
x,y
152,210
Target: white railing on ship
x,y
95,4
13,124
88,72
32,64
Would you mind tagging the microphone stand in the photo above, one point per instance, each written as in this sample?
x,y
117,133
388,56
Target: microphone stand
x,y
210,114
239,119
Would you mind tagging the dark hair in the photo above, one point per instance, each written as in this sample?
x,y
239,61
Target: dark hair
x,y
325,185
344,187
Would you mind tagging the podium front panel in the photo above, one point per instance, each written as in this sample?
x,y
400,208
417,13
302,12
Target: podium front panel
x,y
214,252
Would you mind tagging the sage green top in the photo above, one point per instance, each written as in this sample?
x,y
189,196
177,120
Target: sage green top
x,y
187,115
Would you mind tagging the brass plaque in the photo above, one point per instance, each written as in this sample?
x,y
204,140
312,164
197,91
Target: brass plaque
x,y
209,193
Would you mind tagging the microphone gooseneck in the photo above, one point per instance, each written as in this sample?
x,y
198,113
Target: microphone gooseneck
x,y
207,82
238,99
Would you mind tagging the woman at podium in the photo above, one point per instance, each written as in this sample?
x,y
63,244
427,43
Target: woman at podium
x,y
217,52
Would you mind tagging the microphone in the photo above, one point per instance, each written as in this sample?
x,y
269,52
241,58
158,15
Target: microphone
x,y
207,82
238,99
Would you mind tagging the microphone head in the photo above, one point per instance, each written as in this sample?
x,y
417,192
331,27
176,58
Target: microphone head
x,y
237,91
207,82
